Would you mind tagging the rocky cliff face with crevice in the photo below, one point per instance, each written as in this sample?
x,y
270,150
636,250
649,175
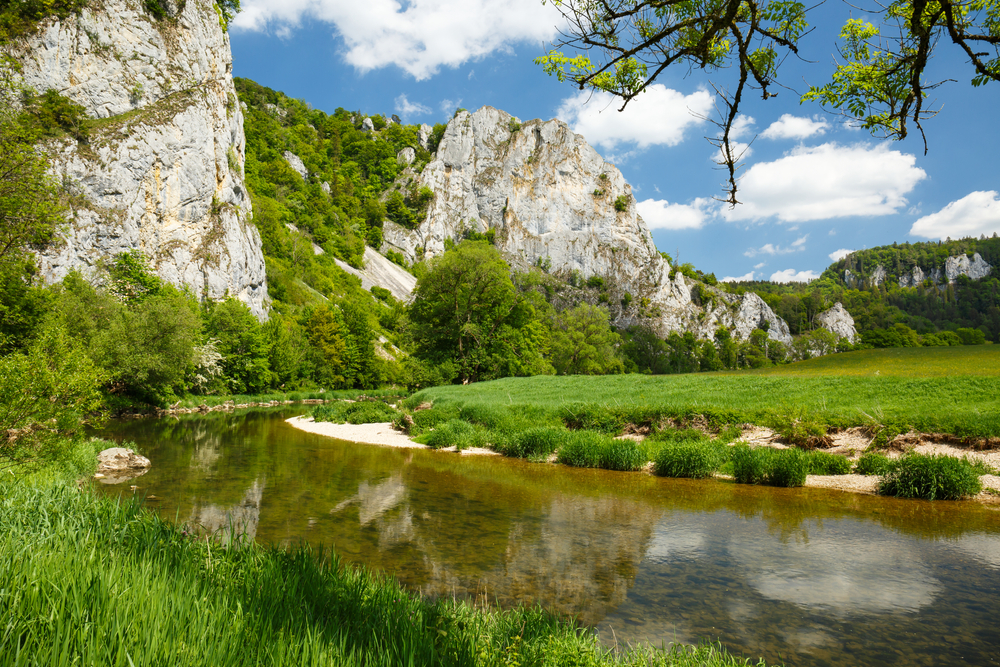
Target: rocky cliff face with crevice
x,y
551,199
163,170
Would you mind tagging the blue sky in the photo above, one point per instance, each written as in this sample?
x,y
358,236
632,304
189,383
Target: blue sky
x,y
812,186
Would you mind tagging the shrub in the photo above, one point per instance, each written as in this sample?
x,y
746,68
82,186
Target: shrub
x,y
748,464
824,463
931,478
621,203
874,463
621,455
424,420
455,432
689,458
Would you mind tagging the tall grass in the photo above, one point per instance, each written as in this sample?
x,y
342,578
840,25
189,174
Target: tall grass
x,y
358,412
89,581
873,463
694,458
825,463
931,477
455,433
770,467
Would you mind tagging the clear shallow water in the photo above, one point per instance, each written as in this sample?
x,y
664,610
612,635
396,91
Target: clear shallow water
x,y
801,576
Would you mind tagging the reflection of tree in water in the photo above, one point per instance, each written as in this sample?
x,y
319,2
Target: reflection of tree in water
x,y
227,522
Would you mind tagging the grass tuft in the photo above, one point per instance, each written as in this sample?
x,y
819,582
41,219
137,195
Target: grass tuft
x,y
359,412
931,477
874,463
689,458
769,467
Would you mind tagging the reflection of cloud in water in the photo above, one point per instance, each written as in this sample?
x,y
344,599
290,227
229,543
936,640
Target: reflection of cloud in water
x,y
375,499
837,573
674,542
241,518
982,546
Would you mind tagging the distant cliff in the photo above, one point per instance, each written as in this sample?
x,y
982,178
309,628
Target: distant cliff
x,y
163,169
551,200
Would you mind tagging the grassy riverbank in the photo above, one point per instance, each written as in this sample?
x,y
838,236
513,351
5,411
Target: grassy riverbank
x,y
923,389
87,580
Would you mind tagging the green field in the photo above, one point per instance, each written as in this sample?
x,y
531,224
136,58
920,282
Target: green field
x,y
948,390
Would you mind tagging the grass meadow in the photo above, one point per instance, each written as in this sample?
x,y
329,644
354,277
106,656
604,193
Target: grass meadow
x,y
948,390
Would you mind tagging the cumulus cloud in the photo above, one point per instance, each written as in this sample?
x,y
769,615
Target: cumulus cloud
x,y
661,214
795,127
738,279
793,276
974,214
659,116
406,108
419,37
838,255
449,106
761,265
827,181
798,245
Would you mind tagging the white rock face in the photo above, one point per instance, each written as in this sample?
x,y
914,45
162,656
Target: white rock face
x,y
406,156
167,178
367,125
878,276
295,162
424,134
838,321
551,198
381,272
961,265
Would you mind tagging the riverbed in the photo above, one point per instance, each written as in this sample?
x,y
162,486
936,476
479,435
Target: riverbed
x,y
800,576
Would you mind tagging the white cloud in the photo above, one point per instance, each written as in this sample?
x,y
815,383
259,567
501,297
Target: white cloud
x,y
661,214
740,151
659,116
449,106
742,126
974,214
759,266
795,127
738,279
827,181
419,37
793,276
838,255
406,108
798,245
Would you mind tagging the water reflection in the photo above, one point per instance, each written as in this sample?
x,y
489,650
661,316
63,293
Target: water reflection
x,y
801,576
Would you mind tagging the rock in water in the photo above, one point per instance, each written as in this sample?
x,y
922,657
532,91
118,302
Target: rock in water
x,y
164,173
553,200
117,464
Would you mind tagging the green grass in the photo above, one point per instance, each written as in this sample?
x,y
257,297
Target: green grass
x,y
959,394
86,580
455,432
825,463
358,412
694,458
931,478
769,467
874,463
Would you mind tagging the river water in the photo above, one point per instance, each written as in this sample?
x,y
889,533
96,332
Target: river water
x,y
800,576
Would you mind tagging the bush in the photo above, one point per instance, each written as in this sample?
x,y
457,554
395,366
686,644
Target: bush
x,y
424,420
771,467
689,458
621,203
931,478
455,432
874,463
824,463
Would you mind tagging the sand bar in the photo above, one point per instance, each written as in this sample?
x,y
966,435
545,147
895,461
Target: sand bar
x,y
381,433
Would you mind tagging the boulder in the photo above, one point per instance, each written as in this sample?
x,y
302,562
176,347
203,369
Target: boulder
x,y
118,464
406,156
838,321
295,162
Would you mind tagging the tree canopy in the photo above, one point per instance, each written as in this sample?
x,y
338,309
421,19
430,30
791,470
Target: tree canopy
x,y
624,45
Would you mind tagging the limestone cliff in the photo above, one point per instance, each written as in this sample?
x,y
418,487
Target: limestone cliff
x,y
552,200
838,321
958,265
163,170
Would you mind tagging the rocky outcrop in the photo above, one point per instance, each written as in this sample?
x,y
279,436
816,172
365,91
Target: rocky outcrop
x,y
295,162
961,265
118,464
955,266
164,172
838,321
380,272
553,201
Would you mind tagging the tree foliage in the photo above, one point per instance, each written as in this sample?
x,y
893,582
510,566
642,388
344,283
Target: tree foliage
x,y
622,46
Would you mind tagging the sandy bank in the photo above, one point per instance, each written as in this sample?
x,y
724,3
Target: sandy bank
x,y
372,434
